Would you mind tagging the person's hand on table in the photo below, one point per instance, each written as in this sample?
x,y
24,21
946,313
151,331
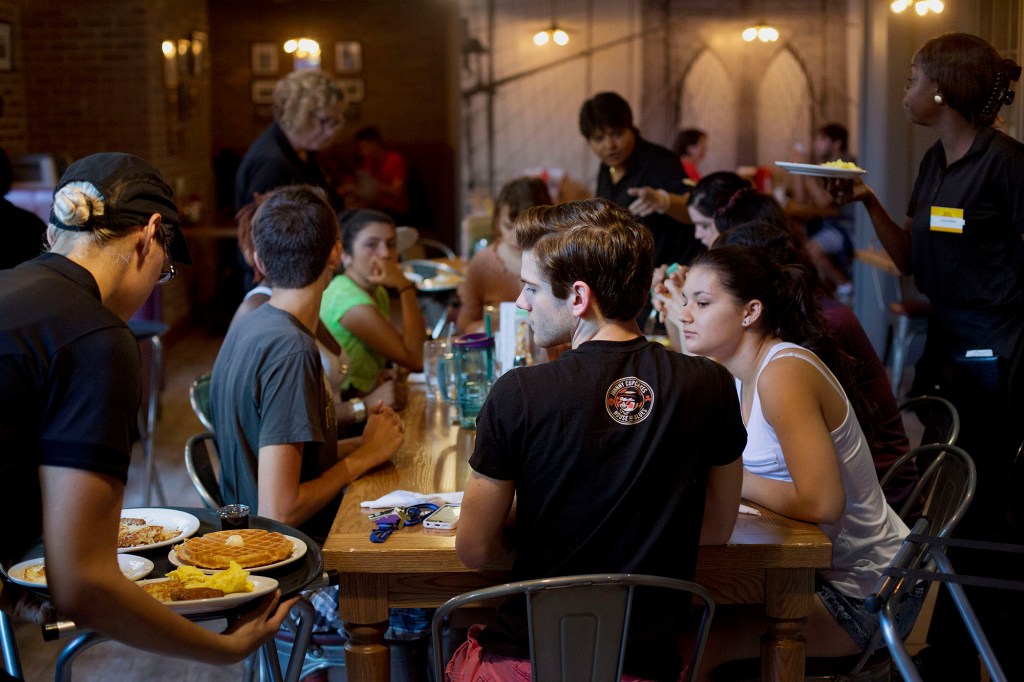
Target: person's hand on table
x,y
383,435
388,273
391,393
648,200
25,605
260,623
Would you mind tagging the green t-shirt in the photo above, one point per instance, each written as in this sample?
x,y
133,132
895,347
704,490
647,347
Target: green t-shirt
x,y
343,294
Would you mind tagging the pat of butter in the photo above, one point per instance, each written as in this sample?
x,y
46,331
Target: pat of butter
x,y
234,541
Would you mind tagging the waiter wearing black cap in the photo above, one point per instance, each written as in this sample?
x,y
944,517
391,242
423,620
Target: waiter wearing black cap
x,y
69,392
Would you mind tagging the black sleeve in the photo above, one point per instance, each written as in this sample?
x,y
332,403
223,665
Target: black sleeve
x,y
92,403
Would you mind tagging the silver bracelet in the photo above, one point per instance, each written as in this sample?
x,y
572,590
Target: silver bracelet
x,y
358,409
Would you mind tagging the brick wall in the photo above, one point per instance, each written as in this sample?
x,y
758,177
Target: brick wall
x,y
13,121
92,79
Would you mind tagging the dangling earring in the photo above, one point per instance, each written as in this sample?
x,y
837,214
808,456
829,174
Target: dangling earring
x,y
938,99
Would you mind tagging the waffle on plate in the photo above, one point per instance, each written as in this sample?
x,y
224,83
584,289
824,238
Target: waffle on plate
x,y
248,547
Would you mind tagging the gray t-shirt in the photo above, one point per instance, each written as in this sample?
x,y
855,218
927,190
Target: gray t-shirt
x,y
268,388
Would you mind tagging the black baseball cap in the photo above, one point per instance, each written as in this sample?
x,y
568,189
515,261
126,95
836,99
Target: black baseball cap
x,y
142,193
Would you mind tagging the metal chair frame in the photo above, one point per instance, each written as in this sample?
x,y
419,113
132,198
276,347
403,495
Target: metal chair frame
x,y
200,467
887,618
934,488
553,603
953,431
946,499
199,398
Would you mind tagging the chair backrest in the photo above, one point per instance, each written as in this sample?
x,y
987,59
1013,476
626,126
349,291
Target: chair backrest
x,y
199,397
944,490
938,416
202,462
579,623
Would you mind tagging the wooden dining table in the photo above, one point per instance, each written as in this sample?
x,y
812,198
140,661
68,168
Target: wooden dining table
x,y
770,559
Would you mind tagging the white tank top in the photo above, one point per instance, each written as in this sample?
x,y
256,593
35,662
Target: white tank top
x,y
869,532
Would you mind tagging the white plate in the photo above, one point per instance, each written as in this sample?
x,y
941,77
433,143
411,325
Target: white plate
x,y
297,553
261,585
133,567
819,170
168,518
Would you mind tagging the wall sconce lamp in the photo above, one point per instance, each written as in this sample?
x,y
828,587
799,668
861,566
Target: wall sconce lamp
x,y
922,7
306,52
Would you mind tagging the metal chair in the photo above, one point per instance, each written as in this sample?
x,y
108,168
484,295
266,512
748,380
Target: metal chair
x,y
945,486
12,661
578,623
199,398
151,331
944,492
939,417
202,463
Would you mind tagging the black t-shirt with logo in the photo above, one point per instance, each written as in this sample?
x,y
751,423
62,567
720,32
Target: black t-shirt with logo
x,y
610,447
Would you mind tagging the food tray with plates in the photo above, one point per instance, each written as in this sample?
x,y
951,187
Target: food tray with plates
x,y
261,586
298,551
821,171
32,573
177,525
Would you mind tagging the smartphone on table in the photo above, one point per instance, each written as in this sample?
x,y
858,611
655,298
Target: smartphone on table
x,y
444,518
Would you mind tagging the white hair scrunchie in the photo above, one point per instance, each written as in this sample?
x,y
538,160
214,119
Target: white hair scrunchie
x,y
76,203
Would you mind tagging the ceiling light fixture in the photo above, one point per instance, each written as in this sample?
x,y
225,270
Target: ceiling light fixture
x,y
762,32
554,34
922,7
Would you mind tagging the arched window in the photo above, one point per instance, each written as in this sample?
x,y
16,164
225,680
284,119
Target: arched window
x,y
784,105
708,100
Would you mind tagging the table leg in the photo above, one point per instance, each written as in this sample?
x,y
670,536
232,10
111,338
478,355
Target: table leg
x,y
364,613
788,599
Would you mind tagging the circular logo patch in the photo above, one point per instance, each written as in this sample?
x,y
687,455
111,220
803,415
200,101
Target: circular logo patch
x,y
629,400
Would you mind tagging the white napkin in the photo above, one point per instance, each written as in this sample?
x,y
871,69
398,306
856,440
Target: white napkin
x,y
744,509
407,498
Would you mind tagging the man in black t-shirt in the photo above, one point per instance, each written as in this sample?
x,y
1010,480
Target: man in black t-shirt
x,y
619,456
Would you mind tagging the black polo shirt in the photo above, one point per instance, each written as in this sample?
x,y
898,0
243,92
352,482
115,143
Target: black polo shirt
x,y
69,387
983,266
654,166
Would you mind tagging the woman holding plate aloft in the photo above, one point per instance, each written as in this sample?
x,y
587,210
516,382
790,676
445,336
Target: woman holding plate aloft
x,y
961,240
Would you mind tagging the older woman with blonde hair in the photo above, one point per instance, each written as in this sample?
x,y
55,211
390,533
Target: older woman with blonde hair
x,y
308,112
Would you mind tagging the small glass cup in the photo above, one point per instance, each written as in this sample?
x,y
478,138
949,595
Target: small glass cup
x,y
433,351
234,516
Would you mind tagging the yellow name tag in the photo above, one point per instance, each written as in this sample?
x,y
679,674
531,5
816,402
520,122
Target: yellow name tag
x,y
947,220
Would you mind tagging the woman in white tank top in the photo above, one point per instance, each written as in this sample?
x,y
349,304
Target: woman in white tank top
x,y
806,455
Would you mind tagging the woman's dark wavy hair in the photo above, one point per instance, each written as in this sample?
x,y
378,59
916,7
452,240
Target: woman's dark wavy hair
x,y
763,263
714,191
751,207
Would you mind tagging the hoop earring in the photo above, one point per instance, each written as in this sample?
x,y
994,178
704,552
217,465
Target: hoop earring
x,y
938,99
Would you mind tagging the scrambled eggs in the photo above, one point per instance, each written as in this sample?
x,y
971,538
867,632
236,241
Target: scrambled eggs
x,y
849,165
229,581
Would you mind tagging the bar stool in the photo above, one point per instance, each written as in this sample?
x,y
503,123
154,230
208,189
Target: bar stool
x,y
151,331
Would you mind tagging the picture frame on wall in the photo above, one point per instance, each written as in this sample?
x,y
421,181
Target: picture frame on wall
x,y
263,90
348,56
6,48
353,89
265,60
